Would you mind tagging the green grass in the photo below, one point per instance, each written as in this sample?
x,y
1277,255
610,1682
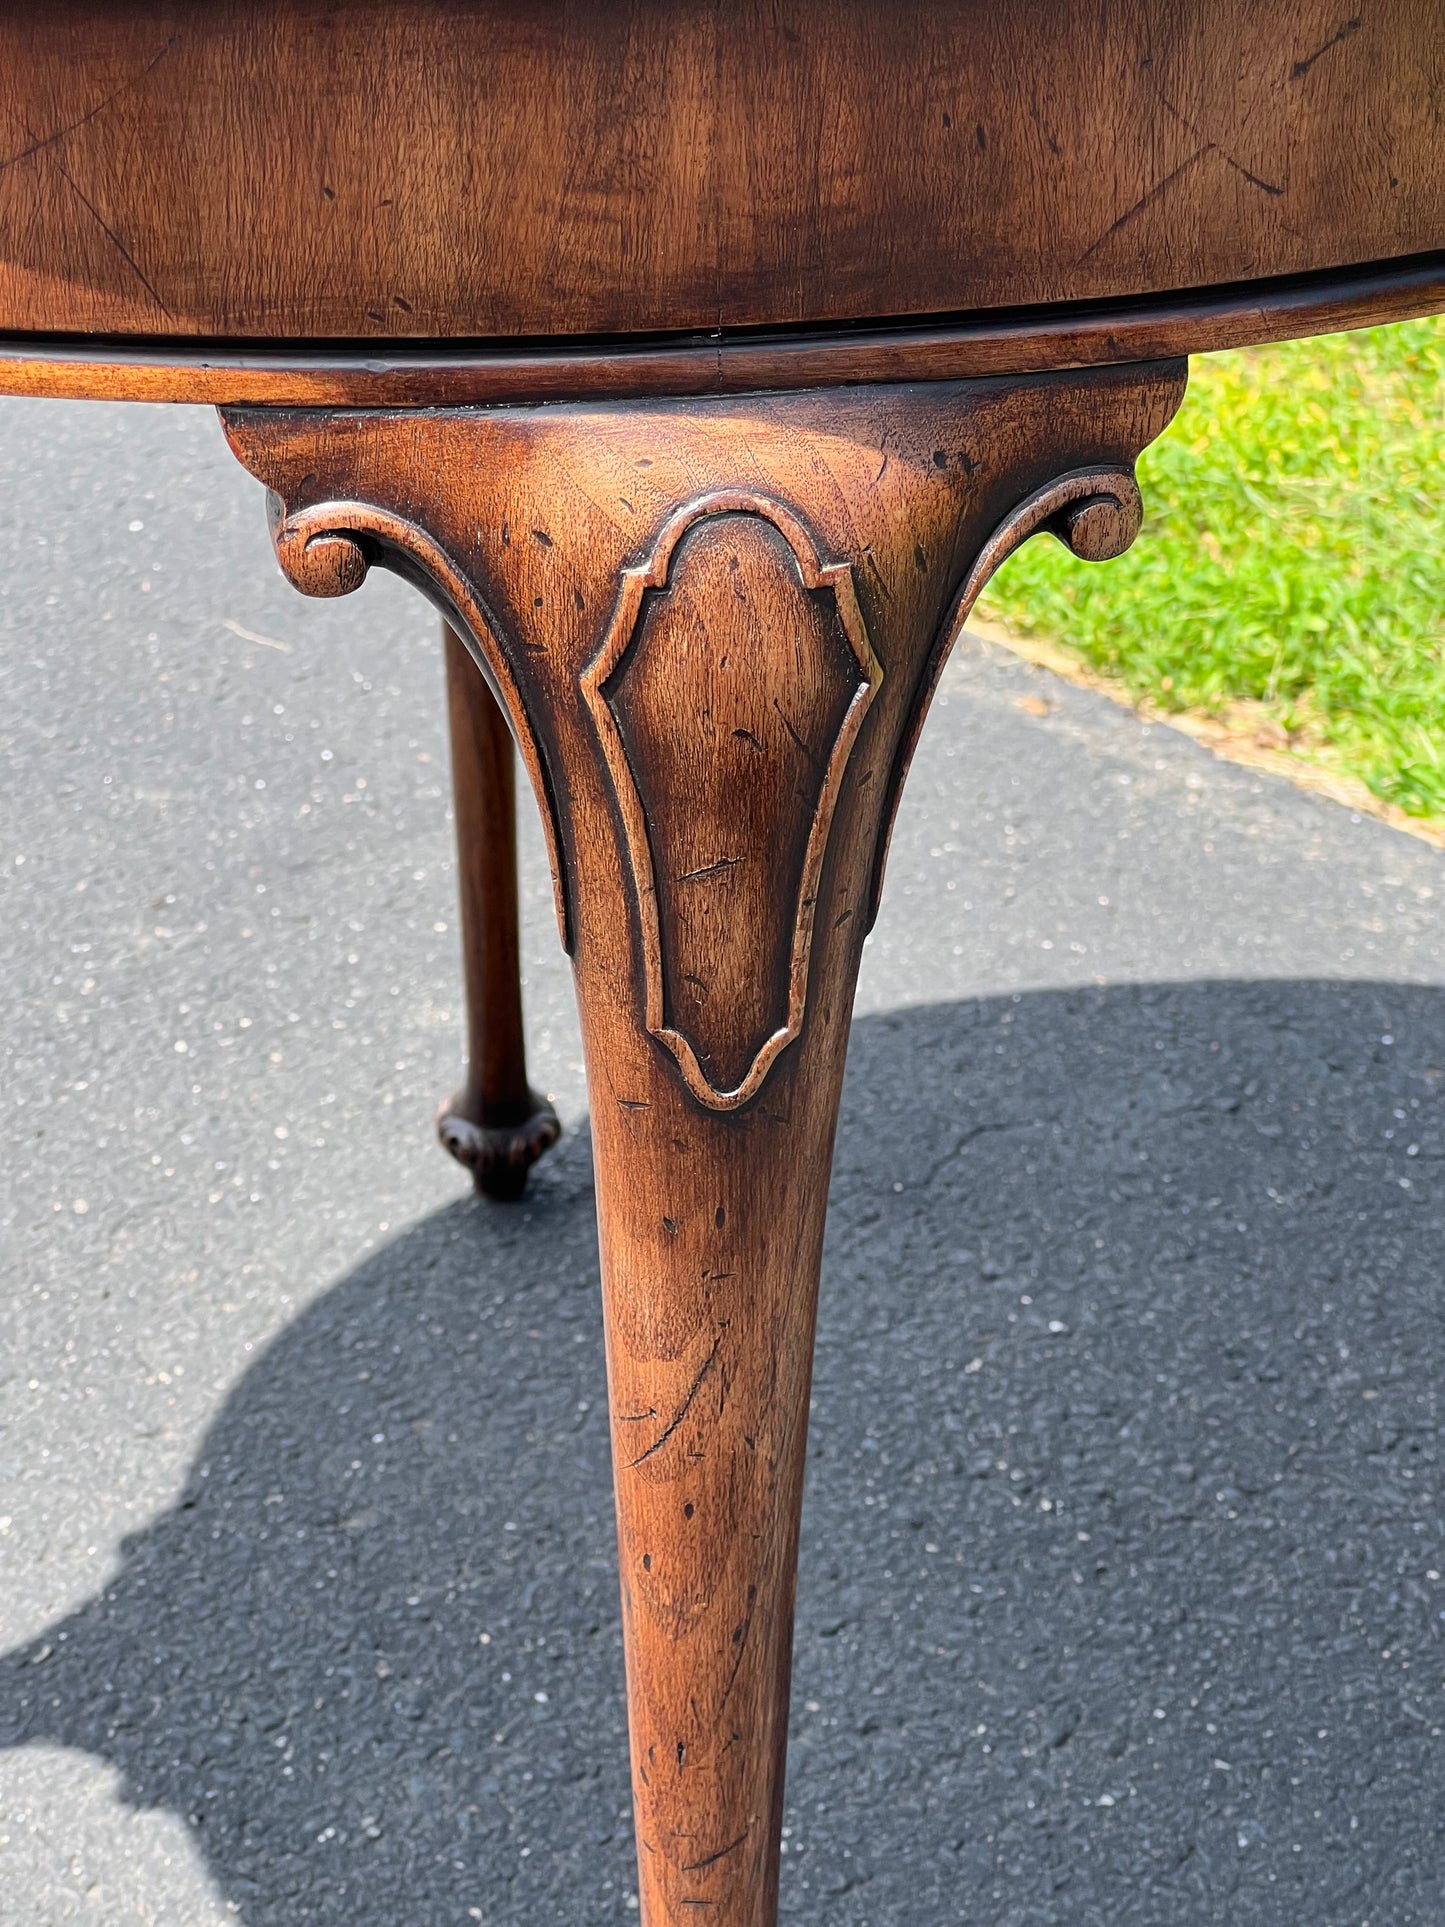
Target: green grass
x,y
1293,554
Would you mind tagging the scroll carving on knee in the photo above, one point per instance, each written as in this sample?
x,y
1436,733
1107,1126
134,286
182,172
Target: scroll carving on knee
x,y
798,563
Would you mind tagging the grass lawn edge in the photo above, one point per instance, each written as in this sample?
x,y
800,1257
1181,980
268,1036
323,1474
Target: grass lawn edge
x,y
1239,735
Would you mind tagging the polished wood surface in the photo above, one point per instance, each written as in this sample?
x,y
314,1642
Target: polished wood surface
x,y
263,169
716,627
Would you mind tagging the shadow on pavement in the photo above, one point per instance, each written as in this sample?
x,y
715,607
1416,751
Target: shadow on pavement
x,y
1119,1598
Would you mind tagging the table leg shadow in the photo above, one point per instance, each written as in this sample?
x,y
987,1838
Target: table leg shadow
x,y
1126,1406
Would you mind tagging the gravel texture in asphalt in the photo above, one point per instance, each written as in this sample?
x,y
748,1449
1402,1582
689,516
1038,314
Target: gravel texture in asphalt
x,y
1122,1596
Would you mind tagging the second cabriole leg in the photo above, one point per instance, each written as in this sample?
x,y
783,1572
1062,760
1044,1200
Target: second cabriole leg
x,y
496,1124
716,626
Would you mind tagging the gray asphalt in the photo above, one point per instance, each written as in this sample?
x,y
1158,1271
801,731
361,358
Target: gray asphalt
x,y
1121,1593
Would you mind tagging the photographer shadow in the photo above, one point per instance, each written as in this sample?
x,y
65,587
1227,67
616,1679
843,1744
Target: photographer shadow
x,y
1119,1591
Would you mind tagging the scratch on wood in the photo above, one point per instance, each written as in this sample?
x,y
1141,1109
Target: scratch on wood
x,y
696,1866
740,1641
711,869
36,146
686,1405
794,734
1213,147
1146,201
1255,180
877,574
119,245
1302,67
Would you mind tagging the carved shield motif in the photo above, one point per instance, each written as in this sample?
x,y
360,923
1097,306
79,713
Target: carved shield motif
x,y
727,696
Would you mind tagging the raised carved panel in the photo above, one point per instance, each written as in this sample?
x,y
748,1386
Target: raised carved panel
x,y
727,695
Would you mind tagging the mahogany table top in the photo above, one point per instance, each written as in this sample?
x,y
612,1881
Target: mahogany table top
x,y
399,185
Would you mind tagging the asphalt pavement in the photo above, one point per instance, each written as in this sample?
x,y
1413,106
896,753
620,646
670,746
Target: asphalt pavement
x,y
1123,1578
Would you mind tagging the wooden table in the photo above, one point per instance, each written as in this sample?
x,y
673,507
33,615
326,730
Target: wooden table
x,y
700,362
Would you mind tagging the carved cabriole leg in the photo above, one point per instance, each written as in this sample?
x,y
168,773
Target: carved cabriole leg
x,y
496,1124
715,626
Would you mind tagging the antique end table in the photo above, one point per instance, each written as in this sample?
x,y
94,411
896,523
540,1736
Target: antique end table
x,y
700,359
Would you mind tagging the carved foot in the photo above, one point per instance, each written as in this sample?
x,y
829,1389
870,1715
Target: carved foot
x,y
499,1156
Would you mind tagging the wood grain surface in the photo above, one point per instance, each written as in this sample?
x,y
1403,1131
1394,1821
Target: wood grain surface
x,y
261,170
673,573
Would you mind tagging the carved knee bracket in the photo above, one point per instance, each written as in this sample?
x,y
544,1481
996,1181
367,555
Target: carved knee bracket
x,y
727,586
715,627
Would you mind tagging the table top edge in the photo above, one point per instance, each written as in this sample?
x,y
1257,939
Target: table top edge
x,y
442,374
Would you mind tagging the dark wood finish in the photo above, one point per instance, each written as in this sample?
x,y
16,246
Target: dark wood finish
x,y
496,1124
283,169
715,627
1074,335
